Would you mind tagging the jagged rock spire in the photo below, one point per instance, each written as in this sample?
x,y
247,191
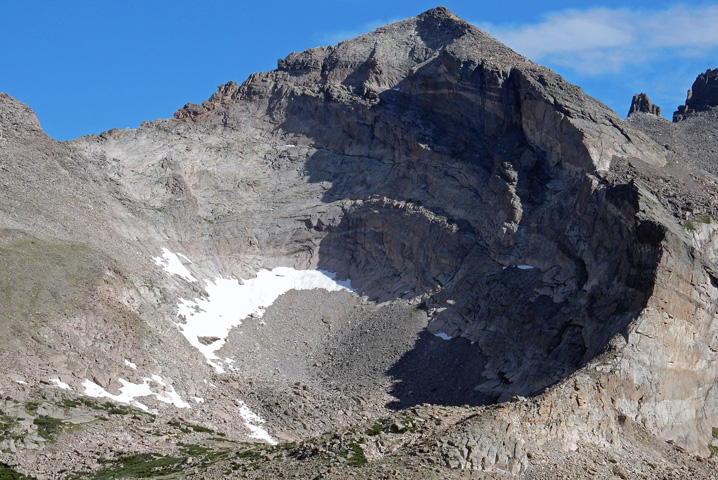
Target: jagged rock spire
x,y
642,104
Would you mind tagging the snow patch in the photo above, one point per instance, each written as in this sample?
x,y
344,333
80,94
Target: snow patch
x,y
130,391
443,336
254,423
131,365
230,361
228,302
520,267
198,399
168,394
173,265
21,382
60,384
94,390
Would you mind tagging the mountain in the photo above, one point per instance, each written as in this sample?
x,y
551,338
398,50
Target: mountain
x,y
412,253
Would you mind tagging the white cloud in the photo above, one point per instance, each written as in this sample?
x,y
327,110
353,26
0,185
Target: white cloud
x,y
695,27
566,32
601,40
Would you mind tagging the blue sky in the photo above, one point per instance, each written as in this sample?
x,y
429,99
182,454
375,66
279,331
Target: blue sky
x,y
88,66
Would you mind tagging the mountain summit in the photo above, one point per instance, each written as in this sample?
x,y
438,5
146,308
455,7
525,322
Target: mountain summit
x,y
414,251
428,57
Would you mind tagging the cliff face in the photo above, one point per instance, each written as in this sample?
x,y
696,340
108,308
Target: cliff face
x,y
701,97
464,190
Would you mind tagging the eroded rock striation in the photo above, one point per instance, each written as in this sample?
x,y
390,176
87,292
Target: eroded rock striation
x,y
521,288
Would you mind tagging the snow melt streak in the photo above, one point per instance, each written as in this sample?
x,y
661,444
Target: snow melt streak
x,y
173,265
254,423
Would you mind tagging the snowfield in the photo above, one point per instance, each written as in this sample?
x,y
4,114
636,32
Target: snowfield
x,y
208,321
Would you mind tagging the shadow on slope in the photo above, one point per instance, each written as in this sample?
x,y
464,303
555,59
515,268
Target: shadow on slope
x,y
440,372
538,304
578,272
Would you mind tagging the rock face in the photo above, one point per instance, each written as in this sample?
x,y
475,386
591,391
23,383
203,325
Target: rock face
x,y
701,97
505,235
642,104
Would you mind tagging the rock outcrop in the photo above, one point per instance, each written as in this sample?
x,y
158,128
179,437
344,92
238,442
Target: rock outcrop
x,y
642,104
506,236
701,97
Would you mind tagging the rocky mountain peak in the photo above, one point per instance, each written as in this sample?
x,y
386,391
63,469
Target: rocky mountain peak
x,y
442,12
701,97
380,60
443,20
642,104
416,65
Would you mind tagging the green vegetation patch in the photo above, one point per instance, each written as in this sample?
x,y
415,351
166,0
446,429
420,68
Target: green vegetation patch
x,y
31,407
405,424
703,218
283,447
110,407
9,473
690,224
402,425
141,465
193,450
203,456
251,454
48,427
7,427
71,402
190,427
355,456
375,429
150,465
715,432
